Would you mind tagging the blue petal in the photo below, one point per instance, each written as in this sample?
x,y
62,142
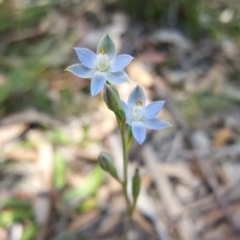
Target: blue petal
x,y
81,71
136,95
153,109
117,77
87,57
156,124
120,62
129,121
106,45
139,132
125,108
98,81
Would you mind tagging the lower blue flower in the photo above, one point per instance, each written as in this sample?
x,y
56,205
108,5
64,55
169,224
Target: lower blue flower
x,y
139,116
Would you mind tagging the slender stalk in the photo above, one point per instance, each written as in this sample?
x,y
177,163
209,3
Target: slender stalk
x,y
125,181
133,207
128,220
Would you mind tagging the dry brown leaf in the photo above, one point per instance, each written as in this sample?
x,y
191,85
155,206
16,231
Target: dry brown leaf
x,y
8,133
45,158
114,186
140,73
109,223
90,152
75,180
144,224
84,220
21,154
103,122
222,136
180,171
103,194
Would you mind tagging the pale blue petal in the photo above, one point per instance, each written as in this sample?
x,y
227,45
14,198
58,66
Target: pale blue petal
x,y
129,121
87,57
98,81
117,77
153,109
155,124
120,62
136,95
139,132
125,108
106,45
81,71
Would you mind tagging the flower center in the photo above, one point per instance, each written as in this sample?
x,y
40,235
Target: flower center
x,y
102,62
139,103
101,51
137,111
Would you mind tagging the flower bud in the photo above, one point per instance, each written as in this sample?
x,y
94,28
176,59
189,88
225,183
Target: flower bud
x,y
136,184
112,100
105,162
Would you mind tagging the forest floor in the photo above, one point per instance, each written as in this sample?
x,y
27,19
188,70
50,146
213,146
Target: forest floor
x,y
52,130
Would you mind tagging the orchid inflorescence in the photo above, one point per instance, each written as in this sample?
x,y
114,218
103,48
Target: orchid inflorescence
x,y
105,69
106,66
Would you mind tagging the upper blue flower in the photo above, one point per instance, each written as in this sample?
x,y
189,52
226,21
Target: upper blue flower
x,y
139,116
101,67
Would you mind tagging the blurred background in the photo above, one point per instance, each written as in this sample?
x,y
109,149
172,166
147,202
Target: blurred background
x,y
51,129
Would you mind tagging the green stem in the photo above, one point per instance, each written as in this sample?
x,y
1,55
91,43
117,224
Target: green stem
x,y
125,181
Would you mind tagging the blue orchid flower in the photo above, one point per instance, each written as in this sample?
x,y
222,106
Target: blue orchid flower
x,y
140,117
101,67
